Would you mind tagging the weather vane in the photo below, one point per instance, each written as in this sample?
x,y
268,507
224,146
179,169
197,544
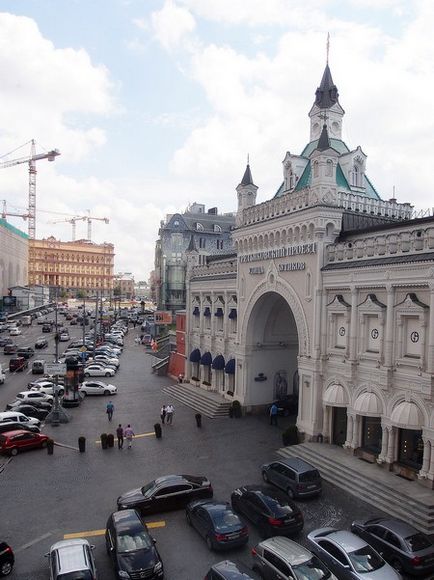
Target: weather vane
x,y
328,46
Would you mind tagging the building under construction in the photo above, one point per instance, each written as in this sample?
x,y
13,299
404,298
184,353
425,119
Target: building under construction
x,y
72,266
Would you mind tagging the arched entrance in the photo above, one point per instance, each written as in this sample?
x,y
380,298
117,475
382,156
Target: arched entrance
x,y
272,348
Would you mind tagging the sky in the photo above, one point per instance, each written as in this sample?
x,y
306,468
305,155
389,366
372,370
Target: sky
x,y
155,104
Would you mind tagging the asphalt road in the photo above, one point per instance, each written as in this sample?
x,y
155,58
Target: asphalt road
x,y
47,497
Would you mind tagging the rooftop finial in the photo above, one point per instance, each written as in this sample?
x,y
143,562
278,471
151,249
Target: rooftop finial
x,y
328,47
248,159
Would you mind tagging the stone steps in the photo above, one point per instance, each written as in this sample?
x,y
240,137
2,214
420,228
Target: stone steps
x,y
199,400
384,494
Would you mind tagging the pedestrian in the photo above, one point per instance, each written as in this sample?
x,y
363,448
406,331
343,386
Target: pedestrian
x,y
109,410
129,434
163,413
273,414
169,413
120,436
137,340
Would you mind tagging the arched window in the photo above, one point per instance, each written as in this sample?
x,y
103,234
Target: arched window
x,y
217,228
315,169
329,168
357,174
199,227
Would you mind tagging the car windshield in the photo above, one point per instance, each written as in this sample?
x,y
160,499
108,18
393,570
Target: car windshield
x,y
365,560
225,519
418,542
133,540
312,569
147,489
80,575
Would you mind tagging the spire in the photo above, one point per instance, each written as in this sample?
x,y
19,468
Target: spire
x,y
247,177
323,141
326,94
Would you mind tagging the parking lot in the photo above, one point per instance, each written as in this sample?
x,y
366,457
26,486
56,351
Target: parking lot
x,y
47,498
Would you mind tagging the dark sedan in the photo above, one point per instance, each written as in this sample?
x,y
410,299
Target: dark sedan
x,y
217,523
32,411
270,510
4,341
43,405
14,426
166,493
10,348
407,549
7,559
41,343
228,570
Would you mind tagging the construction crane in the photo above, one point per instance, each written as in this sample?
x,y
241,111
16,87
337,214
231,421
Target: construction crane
x,y
73,221
31,160
6,213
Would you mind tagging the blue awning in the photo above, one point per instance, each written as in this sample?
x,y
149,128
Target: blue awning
x,y
207,311
219,312
218,363
206,359
195,355
230,367
196,311
233,313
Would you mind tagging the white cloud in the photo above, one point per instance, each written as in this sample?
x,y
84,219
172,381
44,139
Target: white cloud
x,y
172,24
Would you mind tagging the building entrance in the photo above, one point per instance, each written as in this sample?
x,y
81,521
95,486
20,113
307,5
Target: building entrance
x,y
339,425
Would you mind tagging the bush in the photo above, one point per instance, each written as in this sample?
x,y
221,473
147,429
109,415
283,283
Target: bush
x,y
194,379
230,393
290,435
236,409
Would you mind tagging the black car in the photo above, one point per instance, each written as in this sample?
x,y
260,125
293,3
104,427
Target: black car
x,y
166,493
46,328
43,405
404,547
7,559
217,523
228,570
25,351
32,411
6,340
270,510
10,348
131,547
41,343
15,425
73,322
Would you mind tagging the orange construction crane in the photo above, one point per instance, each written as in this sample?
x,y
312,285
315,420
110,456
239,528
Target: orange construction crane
x,y
31,160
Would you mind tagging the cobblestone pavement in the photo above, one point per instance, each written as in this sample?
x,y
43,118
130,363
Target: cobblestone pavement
x,y
45,497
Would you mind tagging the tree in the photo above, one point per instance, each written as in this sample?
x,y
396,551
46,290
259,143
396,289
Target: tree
x,y
81,294
116,291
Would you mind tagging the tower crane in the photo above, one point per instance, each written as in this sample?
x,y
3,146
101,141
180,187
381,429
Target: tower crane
x,y
73,221
5,212
31,160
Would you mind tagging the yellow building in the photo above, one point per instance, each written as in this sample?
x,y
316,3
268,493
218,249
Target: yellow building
x,y
71,265
125,285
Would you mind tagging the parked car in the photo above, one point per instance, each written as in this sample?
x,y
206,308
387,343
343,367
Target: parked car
x,y
47,387
14,425
7,559
97,370
131,548
97,388
73,322
6,340
15,417
217,523
16,403
294,475
270,510
46,327
43,380
113,361
10,348
14,441
400,544
18,364
228,570
166,493
15,331
41,343
72,559
63,337
38,367
284,559
26,351
348,556
31,411
33,396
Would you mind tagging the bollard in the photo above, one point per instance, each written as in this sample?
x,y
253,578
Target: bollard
x,y
103,439
157,429
82,444
198,418
50,446
110,440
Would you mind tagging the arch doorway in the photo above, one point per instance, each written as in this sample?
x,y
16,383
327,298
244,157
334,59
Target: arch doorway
x,y
272,347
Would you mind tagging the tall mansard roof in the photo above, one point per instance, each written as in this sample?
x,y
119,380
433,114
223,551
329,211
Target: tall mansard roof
x,y
247,177
326,94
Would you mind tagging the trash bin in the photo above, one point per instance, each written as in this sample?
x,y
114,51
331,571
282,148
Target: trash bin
x,y
103,439
198,418
50,446
110,440
82,444
157,429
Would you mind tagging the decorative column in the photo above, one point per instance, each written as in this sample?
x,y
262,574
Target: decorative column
x,y
323,343
317,330
388,343
431,466
426,457
390,444
353,325
355,436
430,359
384,443
326,423
350,421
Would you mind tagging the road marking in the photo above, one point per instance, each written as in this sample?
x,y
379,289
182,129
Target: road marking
x,y
136,436
35,541
95,533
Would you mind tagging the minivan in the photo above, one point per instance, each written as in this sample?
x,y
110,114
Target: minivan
x,y
16,417
294,475
72,559
38,367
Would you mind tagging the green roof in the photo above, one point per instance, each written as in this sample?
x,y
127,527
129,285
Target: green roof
x,y
370,189
304,178
13,229
336,144
341,180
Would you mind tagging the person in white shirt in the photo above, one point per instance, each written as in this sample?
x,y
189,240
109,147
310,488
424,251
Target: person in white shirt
x,y
169,413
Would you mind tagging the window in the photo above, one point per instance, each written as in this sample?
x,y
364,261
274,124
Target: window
x,y
329,168
315,169
217,228
199,227
219,244
333,551
202,243
390,538
410,448
277,563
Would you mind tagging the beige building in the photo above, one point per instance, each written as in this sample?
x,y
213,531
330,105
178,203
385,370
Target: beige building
x,y
125,284
79,265
14,247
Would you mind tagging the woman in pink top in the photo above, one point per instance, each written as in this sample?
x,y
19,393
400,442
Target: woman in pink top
x,y
129,434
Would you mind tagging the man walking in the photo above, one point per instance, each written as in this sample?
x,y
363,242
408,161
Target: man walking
x,y
109,410
169,413
163,413
129,434
273,414
120,436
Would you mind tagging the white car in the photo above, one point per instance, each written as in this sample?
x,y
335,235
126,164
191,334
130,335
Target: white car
x,y
14,331
112,361
98,370
97,388
47,388
64,337
29,396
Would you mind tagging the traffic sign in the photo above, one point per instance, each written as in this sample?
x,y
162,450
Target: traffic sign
x,y
83,348
55,369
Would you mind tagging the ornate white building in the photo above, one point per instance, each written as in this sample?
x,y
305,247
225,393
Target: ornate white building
x,y
329,296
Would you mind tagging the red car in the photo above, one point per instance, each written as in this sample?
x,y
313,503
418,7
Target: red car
x,y
19,440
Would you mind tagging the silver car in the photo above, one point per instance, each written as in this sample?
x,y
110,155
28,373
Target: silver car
x,y
349,557
72,559
280,558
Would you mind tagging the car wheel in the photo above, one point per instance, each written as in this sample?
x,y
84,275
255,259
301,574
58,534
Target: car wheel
x,y
61,392
83,393
188,518
6,568
106,392
86,374
14,451
108,374
265,476
290,493
397,565
209,543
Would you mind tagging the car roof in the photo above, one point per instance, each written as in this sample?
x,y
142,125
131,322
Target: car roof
x,y
16,432
231,570
288,549
297,463
264,490
346,540
401,528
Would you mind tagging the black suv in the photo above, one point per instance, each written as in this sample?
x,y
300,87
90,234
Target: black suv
x,y
26,351
131,547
